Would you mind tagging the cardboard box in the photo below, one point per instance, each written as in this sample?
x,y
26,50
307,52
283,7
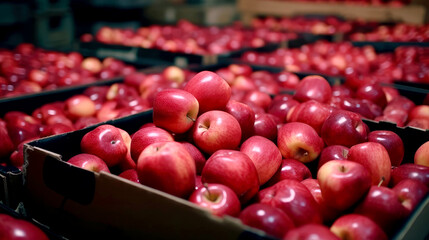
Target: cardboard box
x,y
77,203
80,203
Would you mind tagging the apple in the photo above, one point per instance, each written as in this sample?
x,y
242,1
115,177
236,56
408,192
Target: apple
x,y
265,125
146,136
411,193
357,227
244,115
333,152
92,64
375,158
79,106
269,219
21,126
55,128
211,91
313,87
89,162
264,154
173,73
215,130
105,142
287,80
410,171
130,174
281,107
344,128
168,167
84,122
175,110
7,146
312,113
421,155
14,228
328,213
384,207
392,142
199,158
372,92
293,198
233,169
311,231
420,111
17,156
127,162
257,98
290,169
337,177
39,76
299,141
219,199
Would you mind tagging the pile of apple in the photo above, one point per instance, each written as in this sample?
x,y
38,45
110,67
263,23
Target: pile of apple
x,y
327,25
95,104
186,37
28,69
357,63
397,33
323,173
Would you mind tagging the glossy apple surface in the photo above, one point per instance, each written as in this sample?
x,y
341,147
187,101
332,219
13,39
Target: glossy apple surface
x,y
311,231
410,171
392,142
355,226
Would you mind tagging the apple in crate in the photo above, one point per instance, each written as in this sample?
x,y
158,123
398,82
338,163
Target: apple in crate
x,y
89,162
219,199
410,171
13,228
106,142
313,87
175,110
79,106
130,174
421,156
392,142
374,157
311,231
337,177
290,169
293,198
167,166
333,152
411,193
244,115
215,130
233,169
264,154
269,219
357,227
211,91
146,136
299,141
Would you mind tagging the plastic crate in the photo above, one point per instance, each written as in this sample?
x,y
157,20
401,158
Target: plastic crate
x,y
54,30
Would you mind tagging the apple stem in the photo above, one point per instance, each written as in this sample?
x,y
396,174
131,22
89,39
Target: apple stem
x,y
192,119
210,196
381,181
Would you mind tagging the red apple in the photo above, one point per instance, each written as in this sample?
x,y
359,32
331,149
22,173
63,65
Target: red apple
x,y
127,162
264,154
287,80
130,174
89,162
290,169
106,142
38,76
233,169
411,193
244,115
265,125
357,227
199,158
343,128
257,98
375,158
293,198
337,177
299,141
312,113
409,171
384,207
269,219
211,91
13,228
281,107
79,106
328,213
333,152
21,126
420,111
313,87
7,146
146,136
167,166
92,64
311,231
174,74
219,199
392,142
421,155
175,110
214,130
372,92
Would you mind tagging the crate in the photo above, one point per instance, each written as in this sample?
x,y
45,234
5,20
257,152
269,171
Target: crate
x,y
54,30
46,5
414,13
13,13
